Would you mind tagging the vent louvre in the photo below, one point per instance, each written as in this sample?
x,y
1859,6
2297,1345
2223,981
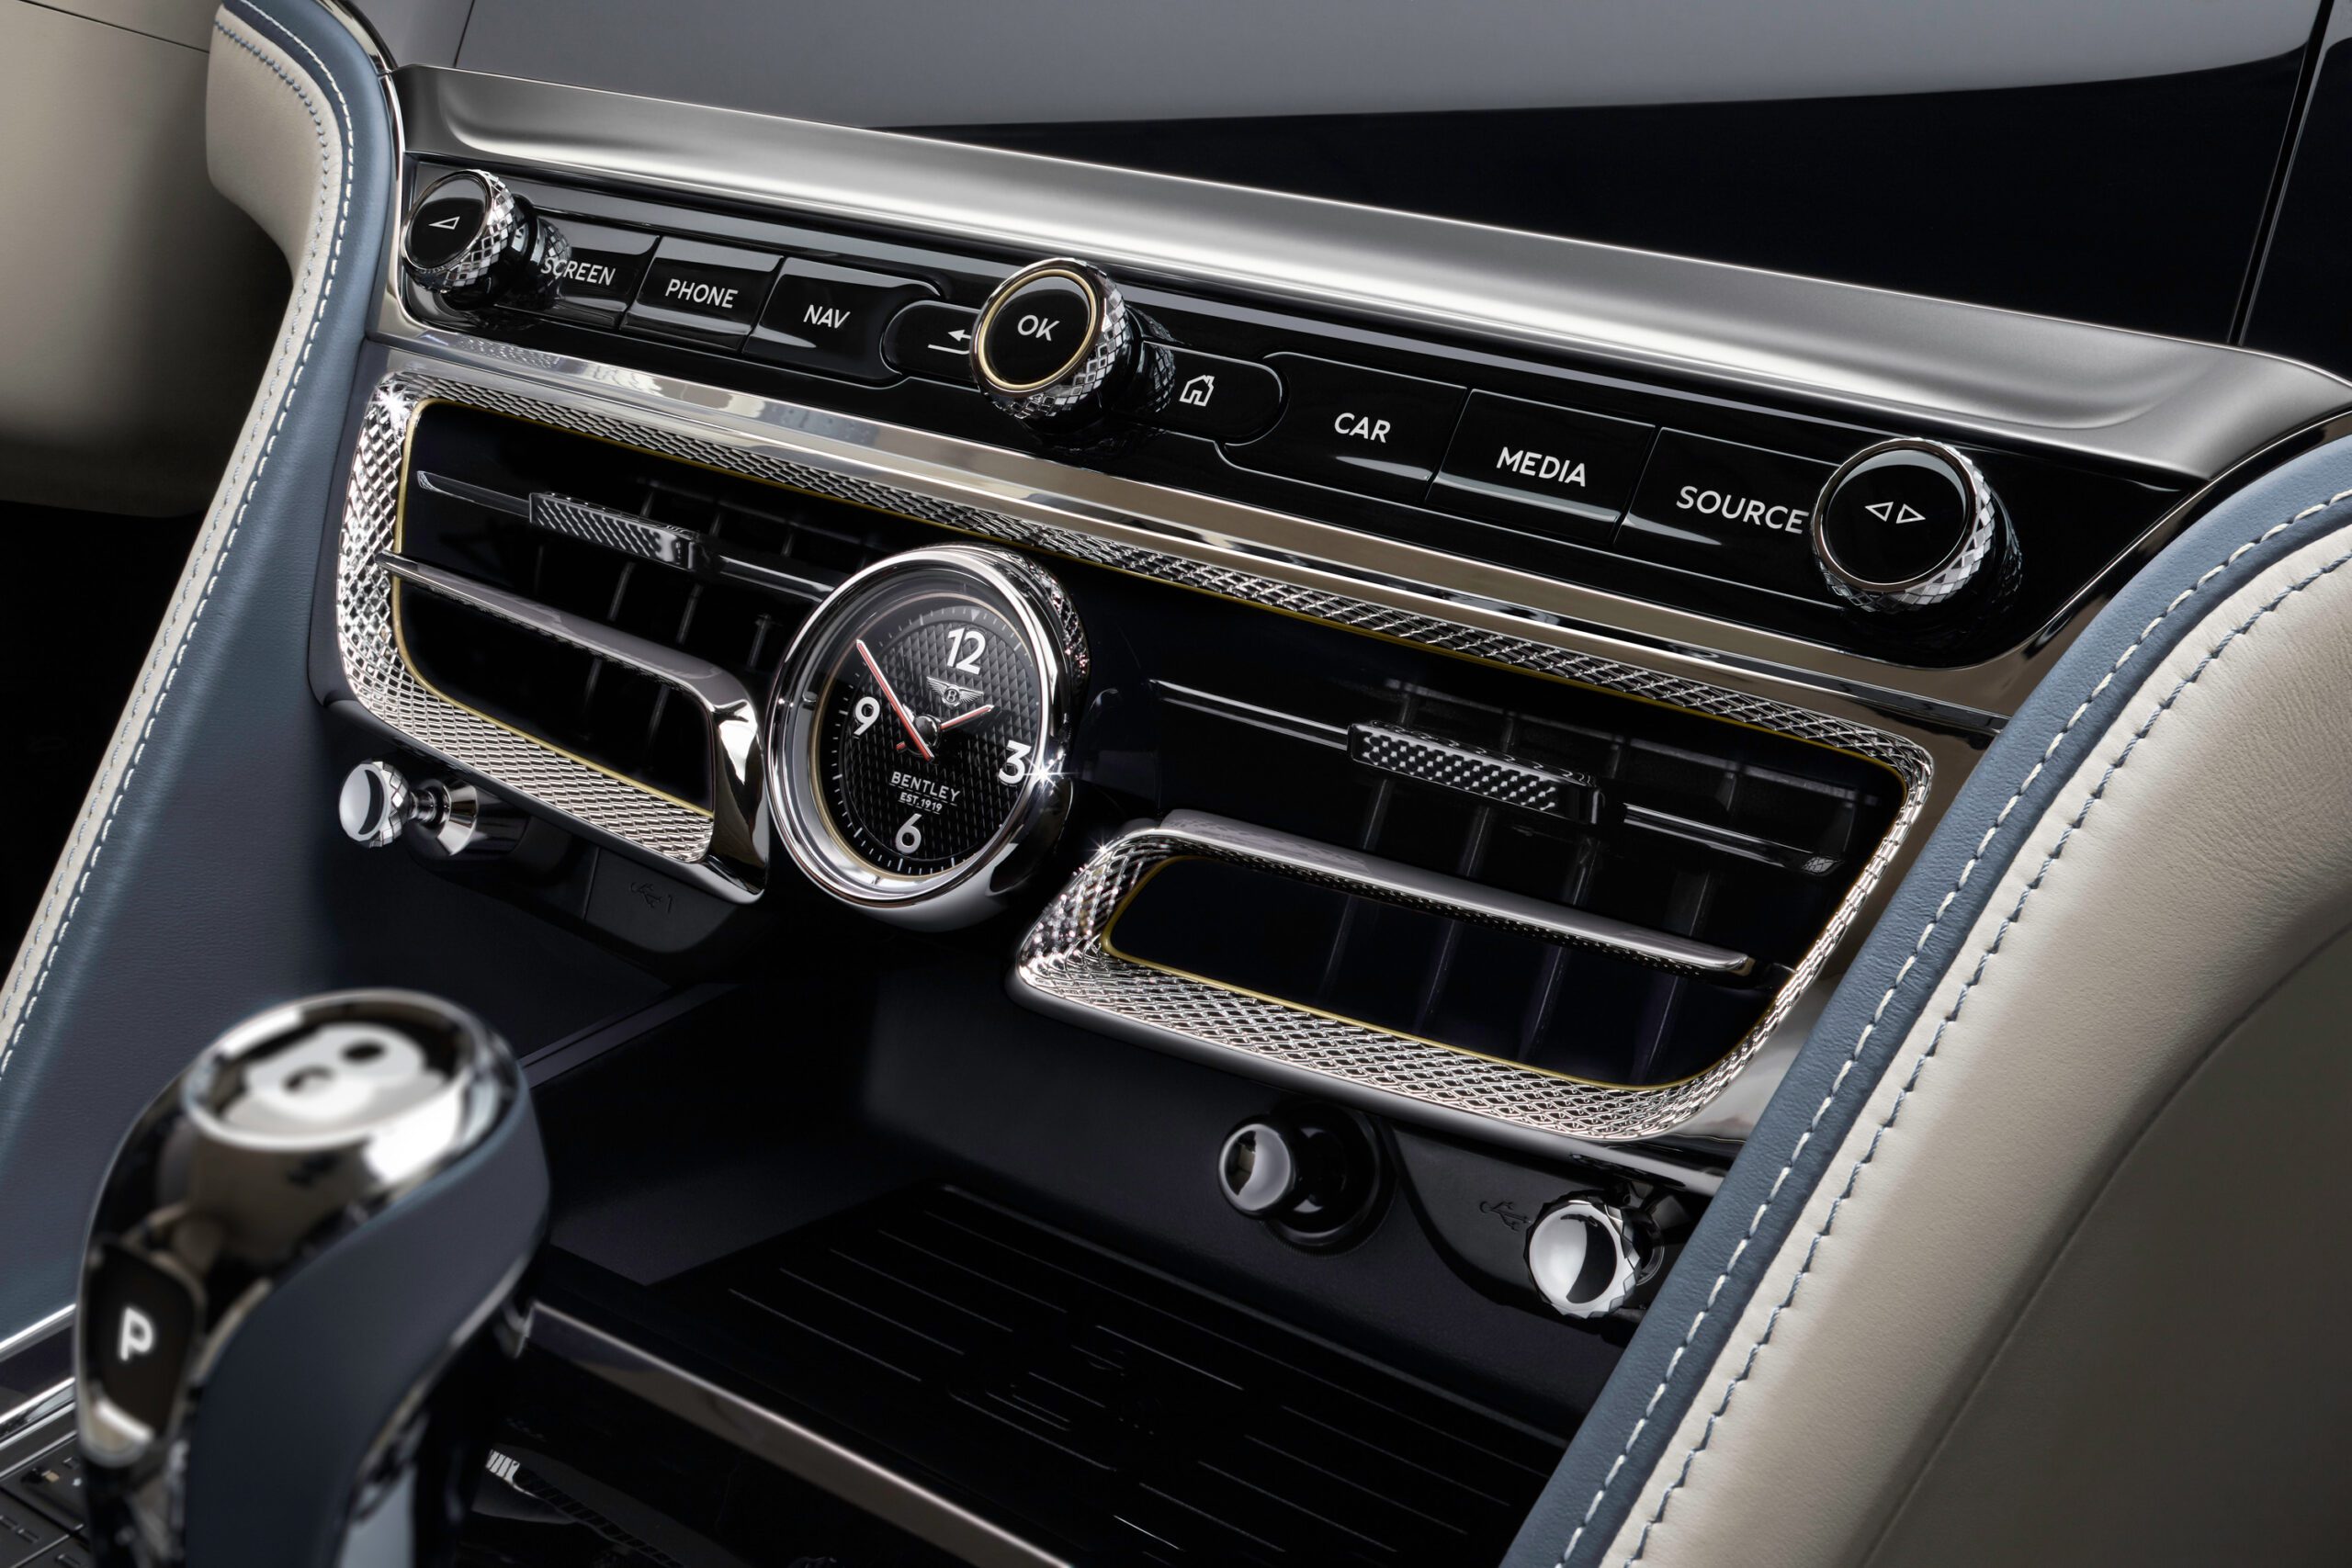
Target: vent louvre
x,y
715,567
1135,1417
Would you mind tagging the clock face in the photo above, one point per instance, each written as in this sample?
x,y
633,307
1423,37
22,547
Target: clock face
x,y
927,731
918,724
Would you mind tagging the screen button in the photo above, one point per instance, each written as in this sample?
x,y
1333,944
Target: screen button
x,y
1738,513
1361,430
596,280
829,318
702,293
1531,465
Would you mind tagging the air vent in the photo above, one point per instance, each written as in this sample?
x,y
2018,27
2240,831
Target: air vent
x,y
717,569
1133,1419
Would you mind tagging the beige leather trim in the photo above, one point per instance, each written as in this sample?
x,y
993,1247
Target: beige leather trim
x,y
2176,1392
139,304
271,101
2202,851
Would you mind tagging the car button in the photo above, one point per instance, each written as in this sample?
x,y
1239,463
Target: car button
x,y
1531,465
1227,399
702,293
1361,430
931,340
1732,512
597,278
828,318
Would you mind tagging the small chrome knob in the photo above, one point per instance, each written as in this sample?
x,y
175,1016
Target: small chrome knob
x,y
1258,1170
1906,524
1586,1256
1053,342
469,241
377,804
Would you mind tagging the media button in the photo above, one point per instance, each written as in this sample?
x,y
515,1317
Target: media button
x,y
1226,400
700,293
1370,431
598,275
1734,512
931,340
1531,464
828,318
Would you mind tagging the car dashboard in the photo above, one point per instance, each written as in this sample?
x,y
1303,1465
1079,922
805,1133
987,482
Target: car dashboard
x,y
1159,800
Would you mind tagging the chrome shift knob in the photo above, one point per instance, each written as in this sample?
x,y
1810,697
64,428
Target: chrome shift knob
x,y
307,1242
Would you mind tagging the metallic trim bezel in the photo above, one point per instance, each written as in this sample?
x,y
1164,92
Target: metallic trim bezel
x,y
1098,298
1954,571
971,889
1068,966
473,260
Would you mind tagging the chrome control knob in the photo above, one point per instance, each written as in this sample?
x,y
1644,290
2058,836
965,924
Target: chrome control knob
x,y
469,241
1053,343
377,804
1587,1256
1907,524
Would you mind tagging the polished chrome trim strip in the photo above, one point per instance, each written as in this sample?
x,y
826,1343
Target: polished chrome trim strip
x,y
1393,882
52,1401
783,1442
737,848
34,1330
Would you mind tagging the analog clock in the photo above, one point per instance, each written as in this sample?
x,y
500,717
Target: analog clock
x,y
918,730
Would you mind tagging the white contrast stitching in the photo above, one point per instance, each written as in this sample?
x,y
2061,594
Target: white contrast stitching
x,y
335,258
1878,1012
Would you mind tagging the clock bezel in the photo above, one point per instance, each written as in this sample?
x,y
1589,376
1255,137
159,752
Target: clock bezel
x,y
975,887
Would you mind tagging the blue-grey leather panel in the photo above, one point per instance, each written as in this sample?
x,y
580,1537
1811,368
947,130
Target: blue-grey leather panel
x,y
1594,1456
223,884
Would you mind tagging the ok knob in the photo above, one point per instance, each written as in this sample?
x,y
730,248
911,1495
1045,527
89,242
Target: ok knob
x,y
469,242
1055,344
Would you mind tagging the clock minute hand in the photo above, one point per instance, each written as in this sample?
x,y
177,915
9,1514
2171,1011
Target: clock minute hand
x,y
891,698
982,711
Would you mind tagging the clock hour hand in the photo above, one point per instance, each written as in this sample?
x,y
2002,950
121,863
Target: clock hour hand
x,y
906,718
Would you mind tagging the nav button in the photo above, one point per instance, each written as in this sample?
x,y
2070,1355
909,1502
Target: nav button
x,y
1532,466
829,318
1368,431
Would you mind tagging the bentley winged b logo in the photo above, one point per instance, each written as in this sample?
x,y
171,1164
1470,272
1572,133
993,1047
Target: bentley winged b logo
x,y
953,698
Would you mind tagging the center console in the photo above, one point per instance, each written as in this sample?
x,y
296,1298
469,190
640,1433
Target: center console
x,y
1236,802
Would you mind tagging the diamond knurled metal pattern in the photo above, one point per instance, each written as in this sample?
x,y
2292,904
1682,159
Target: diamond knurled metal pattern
x,y
1062,956
614,530
1471,770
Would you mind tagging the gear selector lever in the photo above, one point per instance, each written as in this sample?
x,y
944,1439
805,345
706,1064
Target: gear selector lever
x,y
307,1252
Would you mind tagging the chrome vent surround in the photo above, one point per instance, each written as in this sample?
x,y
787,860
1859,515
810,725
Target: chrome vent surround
x,y
1062,963
380,677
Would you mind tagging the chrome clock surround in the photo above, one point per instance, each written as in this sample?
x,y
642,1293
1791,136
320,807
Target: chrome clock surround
x,y
972,888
